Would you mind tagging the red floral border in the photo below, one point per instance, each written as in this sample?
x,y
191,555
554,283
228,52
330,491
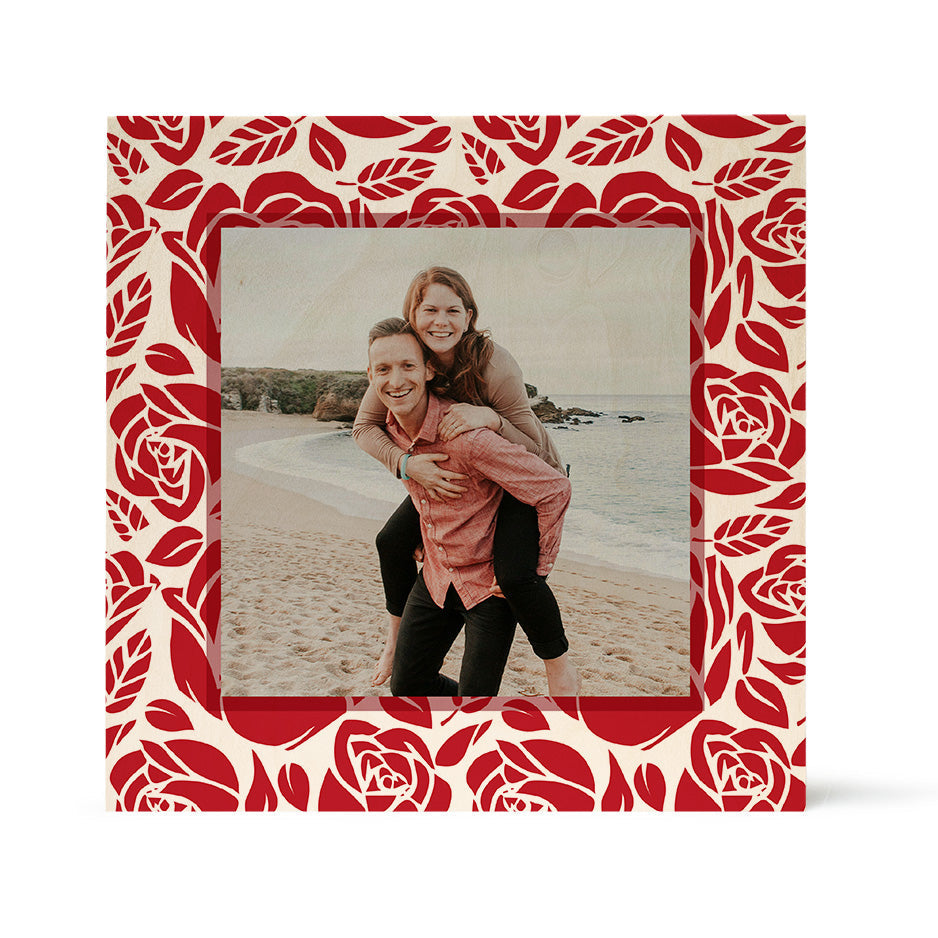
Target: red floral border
x,y
737,183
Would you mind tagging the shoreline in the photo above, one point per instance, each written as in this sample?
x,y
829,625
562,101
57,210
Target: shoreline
x,y
248,427
292,625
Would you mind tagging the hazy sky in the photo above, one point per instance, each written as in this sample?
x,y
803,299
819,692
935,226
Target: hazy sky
x,y
584,311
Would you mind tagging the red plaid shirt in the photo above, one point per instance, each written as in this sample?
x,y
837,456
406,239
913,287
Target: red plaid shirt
x,y
458,534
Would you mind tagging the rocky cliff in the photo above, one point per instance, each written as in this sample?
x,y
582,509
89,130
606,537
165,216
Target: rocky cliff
x,y
332,395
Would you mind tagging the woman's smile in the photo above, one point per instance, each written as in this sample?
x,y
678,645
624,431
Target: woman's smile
x,y
441,320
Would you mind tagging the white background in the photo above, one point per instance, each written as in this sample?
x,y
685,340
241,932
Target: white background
x,y
859,861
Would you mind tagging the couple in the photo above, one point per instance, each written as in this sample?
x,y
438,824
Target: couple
x,y
488,520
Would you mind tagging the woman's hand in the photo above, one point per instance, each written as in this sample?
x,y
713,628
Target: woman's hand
x,y
460,418
439,483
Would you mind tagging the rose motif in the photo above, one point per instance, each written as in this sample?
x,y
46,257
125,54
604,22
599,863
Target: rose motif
x,y
743,438
530,138
390,770
126,587
175,138
443,208
635,199
738,770
537,775
163,447
777,237
776,593
179,775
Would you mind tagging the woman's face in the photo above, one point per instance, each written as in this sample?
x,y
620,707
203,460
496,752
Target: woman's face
x,y
441,321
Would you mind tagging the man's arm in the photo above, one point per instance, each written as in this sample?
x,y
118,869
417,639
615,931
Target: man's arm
x,y
530,480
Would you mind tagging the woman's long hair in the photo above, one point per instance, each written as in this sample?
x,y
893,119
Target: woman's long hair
x,y
463,381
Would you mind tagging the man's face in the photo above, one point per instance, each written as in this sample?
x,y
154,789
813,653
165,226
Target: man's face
x,y
399,374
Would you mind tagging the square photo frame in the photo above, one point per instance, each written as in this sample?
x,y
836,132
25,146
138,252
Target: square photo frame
x,y
734,741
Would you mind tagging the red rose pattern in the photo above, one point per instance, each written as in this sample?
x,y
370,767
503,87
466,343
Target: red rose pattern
x,y
732,181
179,775
738,770
537,775
745,431
382,771
776,595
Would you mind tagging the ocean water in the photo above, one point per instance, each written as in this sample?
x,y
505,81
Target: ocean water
x,y
629,508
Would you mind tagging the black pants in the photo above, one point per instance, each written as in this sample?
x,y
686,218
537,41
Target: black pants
x,y
517,545
427,633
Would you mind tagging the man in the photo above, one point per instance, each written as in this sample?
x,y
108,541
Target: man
x,y
456,583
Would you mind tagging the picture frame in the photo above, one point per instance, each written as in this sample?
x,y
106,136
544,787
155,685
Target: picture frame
x,y
735,742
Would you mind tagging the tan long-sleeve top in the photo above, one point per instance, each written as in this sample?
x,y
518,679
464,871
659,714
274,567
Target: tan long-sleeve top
x,y
504,393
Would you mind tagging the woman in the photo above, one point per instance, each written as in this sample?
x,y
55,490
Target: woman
x,y
488,383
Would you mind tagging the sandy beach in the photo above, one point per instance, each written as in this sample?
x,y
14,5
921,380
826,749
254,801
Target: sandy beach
x,y
302,605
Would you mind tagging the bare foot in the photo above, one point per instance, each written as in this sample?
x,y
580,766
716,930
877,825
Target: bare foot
x,y
563,679
383,667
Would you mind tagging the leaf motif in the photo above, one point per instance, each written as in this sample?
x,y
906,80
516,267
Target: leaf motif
x,y
177,547
650,785
370,126
720,597
116,377
792,141
326,148
125,160
126,315
126,671
168,360
294,785
533,190
114,734
749,533
557,758
719,318
724,125
126,517
455,748
191,313
257,141
762,701
191,669
482,160
791,317
746,178
176,191
790,500
788,672
436,141
128,232
203,760
612,142
682,149
524,716
167,716
128,590
744,281
262,796
413,710
745,639
618,795
760,344
717,674
720,239
387,179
